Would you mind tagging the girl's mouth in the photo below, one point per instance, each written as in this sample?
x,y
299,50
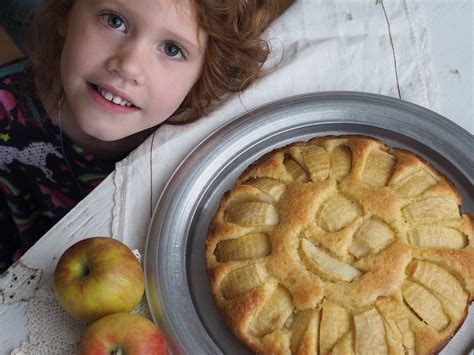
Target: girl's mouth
x,y
110,102
111,97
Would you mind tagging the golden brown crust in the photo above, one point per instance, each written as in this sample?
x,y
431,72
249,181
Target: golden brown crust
x,y
338,244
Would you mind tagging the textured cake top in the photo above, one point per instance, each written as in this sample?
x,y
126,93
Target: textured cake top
x,y
342,245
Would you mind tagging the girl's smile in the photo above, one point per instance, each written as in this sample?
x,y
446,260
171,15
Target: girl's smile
x,y
111,100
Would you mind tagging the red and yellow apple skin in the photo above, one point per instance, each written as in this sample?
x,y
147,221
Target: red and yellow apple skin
x,y
122,333
96,277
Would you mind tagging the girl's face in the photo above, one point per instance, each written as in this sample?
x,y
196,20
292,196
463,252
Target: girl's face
x,y
127,65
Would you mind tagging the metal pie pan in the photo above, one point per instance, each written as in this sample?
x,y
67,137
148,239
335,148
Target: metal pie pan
x,y
177,288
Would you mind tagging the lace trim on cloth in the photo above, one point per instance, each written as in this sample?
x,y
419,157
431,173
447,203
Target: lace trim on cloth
x,y
19,284
45,317
51,330
119,198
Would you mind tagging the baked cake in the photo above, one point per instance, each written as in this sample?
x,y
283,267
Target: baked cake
x,y
342,245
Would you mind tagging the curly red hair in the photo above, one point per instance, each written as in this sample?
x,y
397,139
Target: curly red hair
x,y
234,54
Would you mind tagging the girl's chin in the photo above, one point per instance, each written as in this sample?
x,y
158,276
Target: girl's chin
x,y
104,136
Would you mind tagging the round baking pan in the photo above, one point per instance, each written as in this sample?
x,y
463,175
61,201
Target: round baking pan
x,y
177,288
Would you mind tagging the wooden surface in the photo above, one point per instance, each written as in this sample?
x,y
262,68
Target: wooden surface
x,y
8,50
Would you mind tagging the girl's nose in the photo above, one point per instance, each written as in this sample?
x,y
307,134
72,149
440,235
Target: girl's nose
x,y
128,63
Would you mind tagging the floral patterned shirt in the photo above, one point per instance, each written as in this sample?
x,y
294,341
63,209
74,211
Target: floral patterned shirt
x,y
37,185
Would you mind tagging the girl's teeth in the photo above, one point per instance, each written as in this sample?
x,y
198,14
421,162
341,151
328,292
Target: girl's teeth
x,y
115,99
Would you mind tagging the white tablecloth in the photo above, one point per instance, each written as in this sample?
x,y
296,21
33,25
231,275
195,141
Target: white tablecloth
x,y
320,45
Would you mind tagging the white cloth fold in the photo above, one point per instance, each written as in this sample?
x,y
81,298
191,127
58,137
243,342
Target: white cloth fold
x,y
317,45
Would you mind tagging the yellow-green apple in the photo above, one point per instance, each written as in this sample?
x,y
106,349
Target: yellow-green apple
x,y
98,276
122,333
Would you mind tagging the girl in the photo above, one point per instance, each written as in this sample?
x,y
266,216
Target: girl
x,y
101,76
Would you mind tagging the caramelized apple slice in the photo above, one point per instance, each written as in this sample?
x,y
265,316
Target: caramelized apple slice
x,y
345,345
295,170
305,332
341,161
425,305
370,333
433,208
437,237
414,184
393,336
335,322
316,160
378,168
273,314
394,312
242,280
372,236
249,214
250,246
338,212
326,265
441,283
272,187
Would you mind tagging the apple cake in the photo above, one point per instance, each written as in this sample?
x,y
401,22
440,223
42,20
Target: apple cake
x,y
342,245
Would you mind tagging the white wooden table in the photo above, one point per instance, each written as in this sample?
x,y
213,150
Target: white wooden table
x,y
450,25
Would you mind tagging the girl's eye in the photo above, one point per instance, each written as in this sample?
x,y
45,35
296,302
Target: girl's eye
x,y
172,50
114,21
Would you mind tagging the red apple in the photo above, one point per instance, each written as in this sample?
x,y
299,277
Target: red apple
x,y
122,333
96,277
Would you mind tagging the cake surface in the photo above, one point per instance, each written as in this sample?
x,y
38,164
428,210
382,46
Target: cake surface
x,y
342,245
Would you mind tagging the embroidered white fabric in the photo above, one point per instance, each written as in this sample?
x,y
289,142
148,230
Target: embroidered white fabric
x,y
323,45
51,330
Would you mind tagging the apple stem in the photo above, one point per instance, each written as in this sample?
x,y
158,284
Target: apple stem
x,y
86,269
117,351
